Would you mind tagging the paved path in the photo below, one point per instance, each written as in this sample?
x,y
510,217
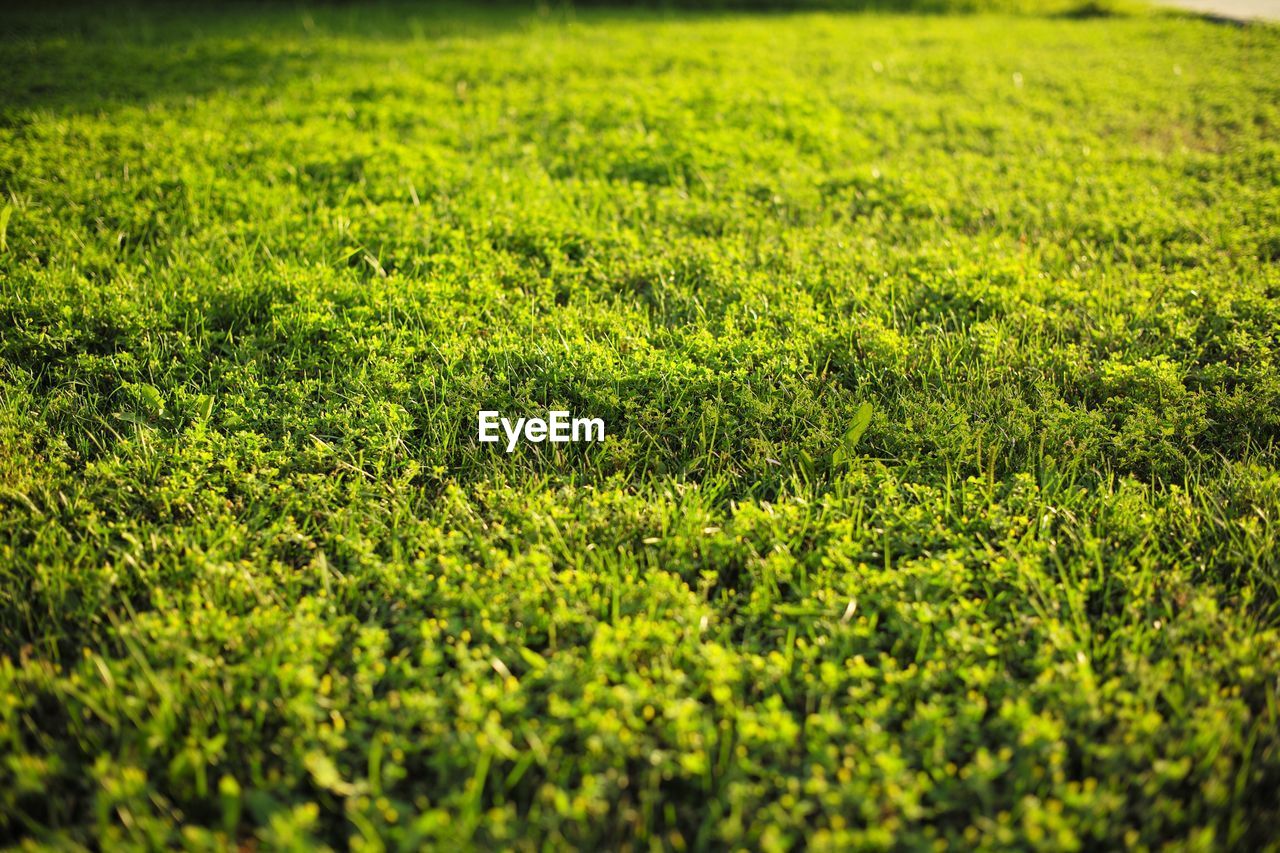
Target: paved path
x,y
1239,10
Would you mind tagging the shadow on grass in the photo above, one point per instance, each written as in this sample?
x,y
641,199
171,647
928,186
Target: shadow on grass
x,y
73,77
86,57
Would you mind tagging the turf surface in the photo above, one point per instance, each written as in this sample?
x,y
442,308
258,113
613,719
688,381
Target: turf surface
x,y
260,268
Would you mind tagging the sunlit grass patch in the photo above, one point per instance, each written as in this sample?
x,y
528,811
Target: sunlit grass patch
x,y
937,355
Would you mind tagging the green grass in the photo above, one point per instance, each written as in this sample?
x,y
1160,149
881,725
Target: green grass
x,y
260,585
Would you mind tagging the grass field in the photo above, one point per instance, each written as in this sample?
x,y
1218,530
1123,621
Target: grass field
x,y
259,584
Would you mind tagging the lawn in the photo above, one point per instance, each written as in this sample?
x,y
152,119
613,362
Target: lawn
x,y
261,585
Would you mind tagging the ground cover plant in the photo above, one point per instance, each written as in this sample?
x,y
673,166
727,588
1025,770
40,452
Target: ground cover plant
x,y
260,267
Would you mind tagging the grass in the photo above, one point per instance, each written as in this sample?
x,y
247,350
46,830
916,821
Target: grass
x,y
259,585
